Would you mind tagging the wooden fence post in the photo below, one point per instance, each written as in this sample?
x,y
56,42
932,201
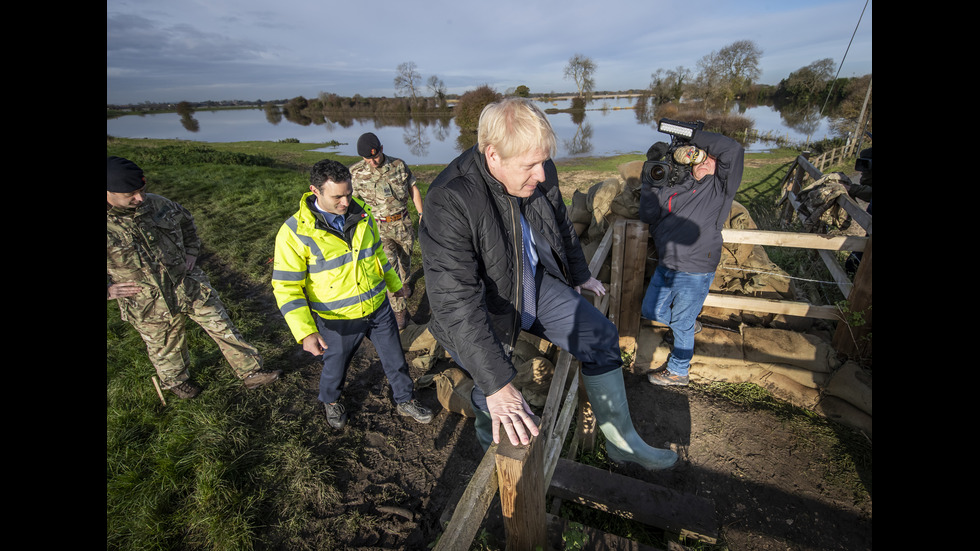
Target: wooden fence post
x,y
520,473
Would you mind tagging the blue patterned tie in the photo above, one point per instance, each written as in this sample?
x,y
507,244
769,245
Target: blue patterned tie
x,y
530,310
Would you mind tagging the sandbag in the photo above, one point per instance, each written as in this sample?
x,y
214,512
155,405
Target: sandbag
x,y
853,385
631,173
453,388
415,338
579,211
777,384
600,197
787,347
834,408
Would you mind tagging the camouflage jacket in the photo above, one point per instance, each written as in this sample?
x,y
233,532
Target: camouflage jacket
x,y
387,188
148,245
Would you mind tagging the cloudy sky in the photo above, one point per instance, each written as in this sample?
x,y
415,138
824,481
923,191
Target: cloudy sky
x,y
260,49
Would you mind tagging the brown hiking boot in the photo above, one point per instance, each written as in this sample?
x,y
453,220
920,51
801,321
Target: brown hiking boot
x,y
186,390
259,378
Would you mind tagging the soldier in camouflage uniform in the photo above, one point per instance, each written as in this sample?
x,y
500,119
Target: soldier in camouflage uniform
x,y
151,249
386,184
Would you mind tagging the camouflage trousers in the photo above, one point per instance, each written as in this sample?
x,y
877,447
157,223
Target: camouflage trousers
x,y
397,240
166,339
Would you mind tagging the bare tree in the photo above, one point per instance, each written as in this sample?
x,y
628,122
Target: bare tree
x,y
438,90
580,69
730,70
408,80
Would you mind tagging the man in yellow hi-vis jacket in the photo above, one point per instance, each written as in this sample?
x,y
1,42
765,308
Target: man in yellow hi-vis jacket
x,y
329,279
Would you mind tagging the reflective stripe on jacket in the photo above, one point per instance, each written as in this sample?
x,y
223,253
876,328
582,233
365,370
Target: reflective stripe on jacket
x,y
319,270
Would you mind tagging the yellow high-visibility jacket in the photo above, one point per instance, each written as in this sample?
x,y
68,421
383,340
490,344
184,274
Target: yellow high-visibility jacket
x,y
319,271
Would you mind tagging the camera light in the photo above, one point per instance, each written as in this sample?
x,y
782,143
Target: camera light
x,y
680,129
676,130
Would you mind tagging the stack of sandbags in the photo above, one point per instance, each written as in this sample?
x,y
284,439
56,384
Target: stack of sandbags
x,y
793,366
799,368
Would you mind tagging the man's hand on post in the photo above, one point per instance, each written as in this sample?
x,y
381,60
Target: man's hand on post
x,y
593,285
190,261
314,344
508,408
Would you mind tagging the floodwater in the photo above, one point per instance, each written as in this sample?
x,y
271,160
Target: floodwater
x,y
610,127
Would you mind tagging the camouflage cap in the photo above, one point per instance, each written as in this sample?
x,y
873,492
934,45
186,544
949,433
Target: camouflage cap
x,y
123,176
368,145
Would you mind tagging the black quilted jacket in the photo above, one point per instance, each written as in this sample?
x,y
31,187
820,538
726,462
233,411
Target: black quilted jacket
x,y
470,236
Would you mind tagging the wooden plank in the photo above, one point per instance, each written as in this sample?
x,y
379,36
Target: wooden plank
x,y
557,437
840,276
557,388
599,257
791,239
860,215
788,307
520,476
848,339
634,264
689,515
616,271
810,169
472,507
586,428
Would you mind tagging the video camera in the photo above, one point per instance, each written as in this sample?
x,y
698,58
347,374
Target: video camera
x,y
667,164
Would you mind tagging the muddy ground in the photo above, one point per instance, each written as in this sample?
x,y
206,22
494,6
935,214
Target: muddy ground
x,y
777,482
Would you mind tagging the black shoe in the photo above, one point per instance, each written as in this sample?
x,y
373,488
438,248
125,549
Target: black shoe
x,y
669,337
186,390
259,378
414,409
336,415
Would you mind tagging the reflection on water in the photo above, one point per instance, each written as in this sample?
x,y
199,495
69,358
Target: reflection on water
x,y
624,126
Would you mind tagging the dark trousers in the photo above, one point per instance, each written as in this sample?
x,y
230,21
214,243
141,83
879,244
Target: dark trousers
x,y
344,337
566,319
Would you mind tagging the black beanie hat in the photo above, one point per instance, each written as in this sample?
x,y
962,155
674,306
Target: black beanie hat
x,y
123,176
368,145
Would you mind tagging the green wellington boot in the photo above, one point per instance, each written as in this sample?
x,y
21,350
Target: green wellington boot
x,y
608,396
484,428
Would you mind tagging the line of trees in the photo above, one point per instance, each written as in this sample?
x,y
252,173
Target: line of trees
x,y
720,78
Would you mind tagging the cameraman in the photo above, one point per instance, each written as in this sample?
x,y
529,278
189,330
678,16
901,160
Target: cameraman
x,y
686,221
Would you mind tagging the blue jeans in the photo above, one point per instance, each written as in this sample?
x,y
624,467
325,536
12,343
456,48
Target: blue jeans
x,y
675,299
